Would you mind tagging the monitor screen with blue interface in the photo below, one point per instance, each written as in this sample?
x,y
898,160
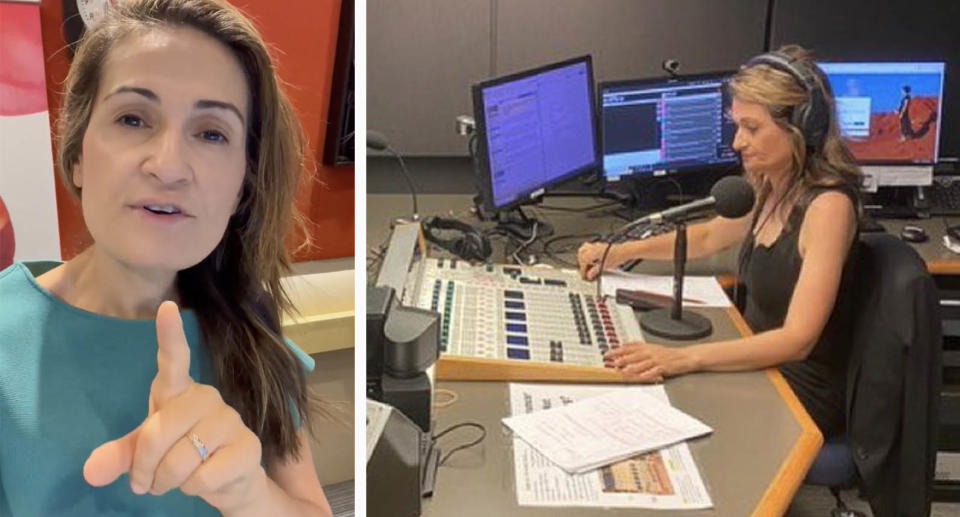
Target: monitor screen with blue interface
x,y
888,112
537,128
651,127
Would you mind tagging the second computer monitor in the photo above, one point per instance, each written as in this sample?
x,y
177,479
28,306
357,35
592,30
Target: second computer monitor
x,y
654,126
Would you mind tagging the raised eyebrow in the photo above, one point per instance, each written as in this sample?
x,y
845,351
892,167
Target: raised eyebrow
x,y
200,104
207,104
144,92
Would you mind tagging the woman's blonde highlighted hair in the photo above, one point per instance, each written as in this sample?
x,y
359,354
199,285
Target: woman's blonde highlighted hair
x,y
829,165
235,291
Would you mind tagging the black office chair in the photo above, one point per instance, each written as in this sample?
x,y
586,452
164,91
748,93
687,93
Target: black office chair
x,y
893,386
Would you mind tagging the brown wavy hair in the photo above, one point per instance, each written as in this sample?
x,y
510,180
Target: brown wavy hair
x,y
830,165
235,291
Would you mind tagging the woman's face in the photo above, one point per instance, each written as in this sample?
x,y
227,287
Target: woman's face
x,y
167,134
764,146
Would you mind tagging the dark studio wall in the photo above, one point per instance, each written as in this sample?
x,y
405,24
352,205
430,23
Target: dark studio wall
x,y
423,55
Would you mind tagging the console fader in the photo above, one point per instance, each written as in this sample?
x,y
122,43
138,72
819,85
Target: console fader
x,y
520,313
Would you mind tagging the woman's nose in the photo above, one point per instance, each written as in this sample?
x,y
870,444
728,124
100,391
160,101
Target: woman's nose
x,y
739,142
167,160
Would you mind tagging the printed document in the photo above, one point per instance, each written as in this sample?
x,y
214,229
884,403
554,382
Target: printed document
x,y
663,479
602,430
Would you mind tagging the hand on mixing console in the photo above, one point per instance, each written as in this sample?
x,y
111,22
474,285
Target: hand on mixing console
x,y
645,362
590,254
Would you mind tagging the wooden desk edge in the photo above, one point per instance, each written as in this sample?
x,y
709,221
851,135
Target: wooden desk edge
x,y
943,267
465,368
776,499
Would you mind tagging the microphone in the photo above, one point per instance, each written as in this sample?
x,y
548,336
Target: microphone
x,y
730,197
378,142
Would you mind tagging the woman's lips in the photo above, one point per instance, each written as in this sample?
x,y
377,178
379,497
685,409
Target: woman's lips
x,y
160,218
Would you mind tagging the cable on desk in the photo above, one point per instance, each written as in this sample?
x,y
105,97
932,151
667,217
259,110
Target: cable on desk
x,y
374,261
525,244
378,253
452,394
624,234
590,208
577,238
483,434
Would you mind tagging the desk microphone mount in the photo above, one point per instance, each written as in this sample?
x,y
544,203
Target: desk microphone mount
x,y
673,323
730,197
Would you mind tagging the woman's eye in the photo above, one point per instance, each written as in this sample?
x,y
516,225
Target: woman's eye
x,y
131,121
213,136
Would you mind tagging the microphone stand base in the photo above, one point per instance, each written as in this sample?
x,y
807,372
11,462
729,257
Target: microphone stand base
x,y
690,325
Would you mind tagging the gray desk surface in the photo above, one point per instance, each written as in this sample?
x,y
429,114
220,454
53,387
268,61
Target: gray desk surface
x,y
939,259
762,444
751,464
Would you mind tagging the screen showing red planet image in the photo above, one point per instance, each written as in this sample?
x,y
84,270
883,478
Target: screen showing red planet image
x,y
889,112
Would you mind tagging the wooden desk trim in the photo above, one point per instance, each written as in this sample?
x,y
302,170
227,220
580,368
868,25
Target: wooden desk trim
x,y
776,499
943,267
465,368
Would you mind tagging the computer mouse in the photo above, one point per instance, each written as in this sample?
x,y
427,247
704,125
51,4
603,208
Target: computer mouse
x,y
911,233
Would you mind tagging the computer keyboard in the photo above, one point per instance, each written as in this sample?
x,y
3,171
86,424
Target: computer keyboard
x,y
945,196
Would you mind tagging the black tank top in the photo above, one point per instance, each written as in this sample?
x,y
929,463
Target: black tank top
x,y
770,274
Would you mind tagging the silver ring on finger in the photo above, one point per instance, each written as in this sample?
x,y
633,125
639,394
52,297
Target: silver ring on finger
x,y
201,448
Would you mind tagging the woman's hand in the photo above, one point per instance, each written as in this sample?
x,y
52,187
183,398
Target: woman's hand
x,y
590,254
645,362
160,453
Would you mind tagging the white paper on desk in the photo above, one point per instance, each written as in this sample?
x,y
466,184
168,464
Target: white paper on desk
x,y
698,291
664,479
604,429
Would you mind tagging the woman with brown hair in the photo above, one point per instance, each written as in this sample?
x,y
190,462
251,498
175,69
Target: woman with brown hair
x,y
185,155
795,259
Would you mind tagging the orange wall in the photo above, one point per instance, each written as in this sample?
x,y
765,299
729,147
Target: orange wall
x,y
305,35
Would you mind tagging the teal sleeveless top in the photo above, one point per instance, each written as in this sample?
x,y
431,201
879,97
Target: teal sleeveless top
x,y
71,380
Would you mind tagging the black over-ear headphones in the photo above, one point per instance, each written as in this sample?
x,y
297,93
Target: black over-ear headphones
x,y
471,245
812,118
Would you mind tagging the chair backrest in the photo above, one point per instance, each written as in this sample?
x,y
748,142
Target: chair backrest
x,y
894,377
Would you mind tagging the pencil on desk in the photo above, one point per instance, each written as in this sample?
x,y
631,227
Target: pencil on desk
x,y
666,297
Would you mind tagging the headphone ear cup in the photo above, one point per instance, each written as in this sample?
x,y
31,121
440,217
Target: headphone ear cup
x,y
480,245
487,247
470,245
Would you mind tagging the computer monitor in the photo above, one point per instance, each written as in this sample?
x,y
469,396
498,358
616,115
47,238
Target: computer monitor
x,y
536,129
889,113
651,127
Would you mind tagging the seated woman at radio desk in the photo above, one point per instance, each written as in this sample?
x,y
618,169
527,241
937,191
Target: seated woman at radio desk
x,y
184,154
795,258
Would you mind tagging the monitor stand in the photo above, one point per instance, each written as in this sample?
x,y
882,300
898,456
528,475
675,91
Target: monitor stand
x,y
521,226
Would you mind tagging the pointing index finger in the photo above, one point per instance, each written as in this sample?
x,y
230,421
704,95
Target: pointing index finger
x,y
173,353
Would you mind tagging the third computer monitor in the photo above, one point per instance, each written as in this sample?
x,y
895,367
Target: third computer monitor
x,y
889,113
654,126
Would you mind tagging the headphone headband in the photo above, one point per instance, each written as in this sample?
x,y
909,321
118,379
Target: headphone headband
x,y
812,118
